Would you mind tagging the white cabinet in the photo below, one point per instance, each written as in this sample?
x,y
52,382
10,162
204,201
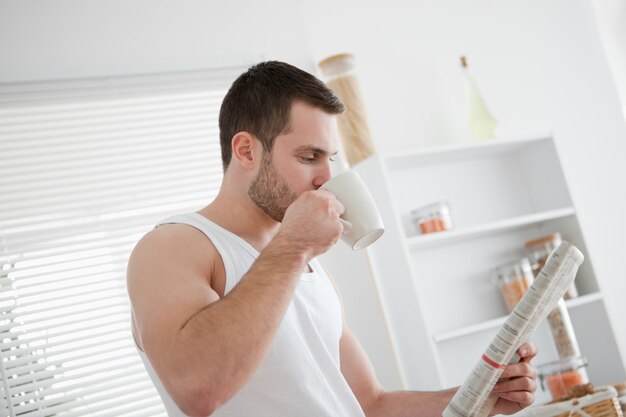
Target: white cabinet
x,y
440,305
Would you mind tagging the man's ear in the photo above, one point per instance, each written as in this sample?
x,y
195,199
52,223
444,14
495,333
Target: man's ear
x,y
246,149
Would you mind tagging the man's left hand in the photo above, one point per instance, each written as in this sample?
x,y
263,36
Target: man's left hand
x,y
517,384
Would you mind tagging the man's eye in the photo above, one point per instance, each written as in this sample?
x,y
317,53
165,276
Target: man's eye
x,y
307,159
332,159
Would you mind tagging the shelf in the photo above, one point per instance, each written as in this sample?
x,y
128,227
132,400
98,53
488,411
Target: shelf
x,y
583,300
457,235
504,193
453,152
496,323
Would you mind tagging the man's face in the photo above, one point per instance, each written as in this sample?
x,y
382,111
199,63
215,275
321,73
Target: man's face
x,y
270,191
299,161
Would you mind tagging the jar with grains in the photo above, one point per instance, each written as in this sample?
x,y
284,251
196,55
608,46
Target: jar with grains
x,y
432,218
514,279
538,251
339,73
563,331
563,374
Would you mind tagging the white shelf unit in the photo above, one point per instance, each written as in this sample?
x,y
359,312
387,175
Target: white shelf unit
x,y
440,305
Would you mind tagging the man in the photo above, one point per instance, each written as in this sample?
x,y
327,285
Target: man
x,y
232,314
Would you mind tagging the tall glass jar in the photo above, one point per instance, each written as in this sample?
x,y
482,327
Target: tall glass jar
x,y
339,73
562,331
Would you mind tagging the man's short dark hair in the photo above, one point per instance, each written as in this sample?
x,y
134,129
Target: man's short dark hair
x,y
259,102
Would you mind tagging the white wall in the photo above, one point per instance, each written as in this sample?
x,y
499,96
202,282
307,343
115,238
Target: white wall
x,y
539,64
611,19
85,38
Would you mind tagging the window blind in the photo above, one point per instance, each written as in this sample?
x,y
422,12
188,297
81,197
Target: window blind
x,y
86,168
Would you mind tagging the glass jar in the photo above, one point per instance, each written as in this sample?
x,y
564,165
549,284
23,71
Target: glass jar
x,y
432,218
339,74
514,278
563,374
538,251
562,331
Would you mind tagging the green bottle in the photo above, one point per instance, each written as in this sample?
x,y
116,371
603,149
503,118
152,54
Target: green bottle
x,y
482,124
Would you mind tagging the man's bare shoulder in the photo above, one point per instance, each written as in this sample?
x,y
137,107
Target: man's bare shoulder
x,y
169,279
173,234
176,244
176,253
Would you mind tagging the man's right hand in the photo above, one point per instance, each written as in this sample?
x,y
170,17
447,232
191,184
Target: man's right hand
x,y
311,223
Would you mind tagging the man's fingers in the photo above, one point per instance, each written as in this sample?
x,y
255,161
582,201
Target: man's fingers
x,y
517,383
337,205
519,369
514,385
527,352
523,398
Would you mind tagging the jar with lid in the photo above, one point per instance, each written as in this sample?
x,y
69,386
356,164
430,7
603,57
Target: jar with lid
x,y
432,218
339,73
563,374
538,251
562,331
514,279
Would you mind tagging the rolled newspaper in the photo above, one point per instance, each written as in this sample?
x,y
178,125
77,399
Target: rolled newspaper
x,y
473,398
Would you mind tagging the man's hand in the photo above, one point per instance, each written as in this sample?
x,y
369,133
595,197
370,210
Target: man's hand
x,y
311,223
517,385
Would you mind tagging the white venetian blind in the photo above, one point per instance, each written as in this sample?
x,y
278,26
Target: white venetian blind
x,y
86,168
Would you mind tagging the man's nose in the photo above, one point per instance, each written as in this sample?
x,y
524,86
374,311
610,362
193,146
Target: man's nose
x,y
323,175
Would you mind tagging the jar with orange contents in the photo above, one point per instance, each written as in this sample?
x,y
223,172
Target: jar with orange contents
x,y
514,279
432,218
563,374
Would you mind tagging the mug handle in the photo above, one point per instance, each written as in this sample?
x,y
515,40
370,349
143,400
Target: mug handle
x,y
347,226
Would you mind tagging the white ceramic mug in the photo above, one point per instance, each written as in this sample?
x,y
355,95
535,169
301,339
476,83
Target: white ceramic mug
x,y
361,221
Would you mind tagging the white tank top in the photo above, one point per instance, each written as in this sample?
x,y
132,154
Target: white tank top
x,y
301,373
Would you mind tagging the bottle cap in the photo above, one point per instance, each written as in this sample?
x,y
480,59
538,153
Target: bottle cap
x,y
337,65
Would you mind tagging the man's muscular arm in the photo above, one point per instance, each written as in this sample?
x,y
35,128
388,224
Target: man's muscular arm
x,y
204,348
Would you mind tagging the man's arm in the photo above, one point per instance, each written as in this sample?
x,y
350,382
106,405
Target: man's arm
x,y
204,348
515,393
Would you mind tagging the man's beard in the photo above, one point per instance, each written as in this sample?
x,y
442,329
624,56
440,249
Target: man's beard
x,y
269,191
